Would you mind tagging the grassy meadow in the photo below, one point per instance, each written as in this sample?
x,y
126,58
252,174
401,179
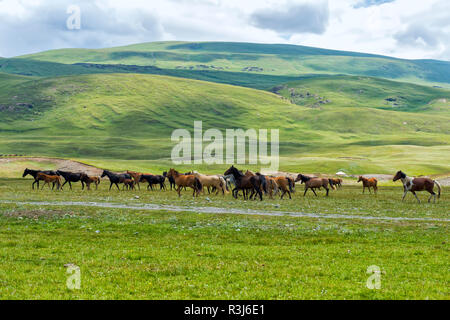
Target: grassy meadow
x,y
115,117
184,254
116,108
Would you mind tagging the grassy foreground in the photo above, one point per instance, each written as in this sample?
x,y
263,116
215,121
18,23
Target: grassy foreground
x,y
139,254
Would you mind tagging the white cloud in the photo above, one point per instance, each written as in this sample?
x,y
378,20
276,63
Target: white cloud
x,y
401,28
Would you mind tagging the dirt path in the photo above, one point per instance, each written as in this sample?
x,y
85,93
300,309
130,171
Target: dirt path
x,y
215,210
61,164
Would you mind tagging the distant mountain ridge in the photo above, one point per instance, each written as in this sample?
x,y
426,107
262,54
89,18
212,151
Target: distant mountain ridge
x,y
268,59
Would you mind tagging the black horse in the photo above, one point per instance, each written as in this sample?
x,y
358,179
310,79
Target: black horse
x,y
152,179
171,181
256,184
70,177
34,173
115,178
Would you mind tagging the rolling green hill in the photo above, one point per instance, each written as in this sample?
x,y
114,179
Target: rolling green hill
x,y
248,58
131,117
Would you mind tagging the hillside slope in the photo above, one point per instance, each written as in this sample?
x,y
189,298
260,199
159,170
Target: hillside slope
x,y
270,59
130,116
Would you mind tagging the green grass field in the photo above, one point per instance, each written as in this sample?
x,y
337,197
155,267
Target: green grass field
x,y
131,117
161,254
116,109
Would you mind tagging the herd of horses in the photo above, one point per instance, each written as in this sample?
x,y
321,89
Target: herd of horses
x,y
252,185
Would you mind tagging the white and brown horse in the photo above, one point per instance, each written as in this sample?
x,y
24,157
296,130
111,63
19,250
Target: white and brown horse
x,y
417,184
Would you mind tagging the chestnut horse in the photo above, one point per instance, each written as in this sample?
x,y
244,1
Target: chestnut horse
x,y
129,184
418,184
190,181
88,180
136,177
55,179
272,186
286,185
314,183
369,182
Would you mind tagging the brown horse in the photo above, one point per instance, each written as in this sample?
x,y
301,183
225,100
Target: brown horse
x,y
183,181
55,179
368,183
215,182
336,182
286,185
272,187
89,180
314,183
417,184
136,177
129,184
256,183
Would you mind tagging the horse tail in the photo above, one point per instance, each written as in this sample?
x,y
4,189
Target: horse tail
x,y
198,184
226,184
439,188
223,185
331,184
264,184
291,185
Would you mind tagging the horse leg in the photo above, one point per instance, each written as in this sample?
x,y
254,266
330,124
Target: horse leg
x,y
70,185
289,193
179,191
117,186
314,192
415,195
328,190
282,195
404,194
432,194
306,189
364,188
109,186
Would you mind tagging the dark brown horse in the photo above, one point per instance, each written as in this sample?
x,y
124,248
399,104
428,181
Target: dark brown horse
x,y
183,181
417,184
337,182
368,183
34,173
255,183
314,183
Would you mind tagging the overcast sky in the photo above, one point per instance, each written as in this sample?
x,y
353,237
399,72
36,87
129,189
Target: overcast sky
x,y
412,29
